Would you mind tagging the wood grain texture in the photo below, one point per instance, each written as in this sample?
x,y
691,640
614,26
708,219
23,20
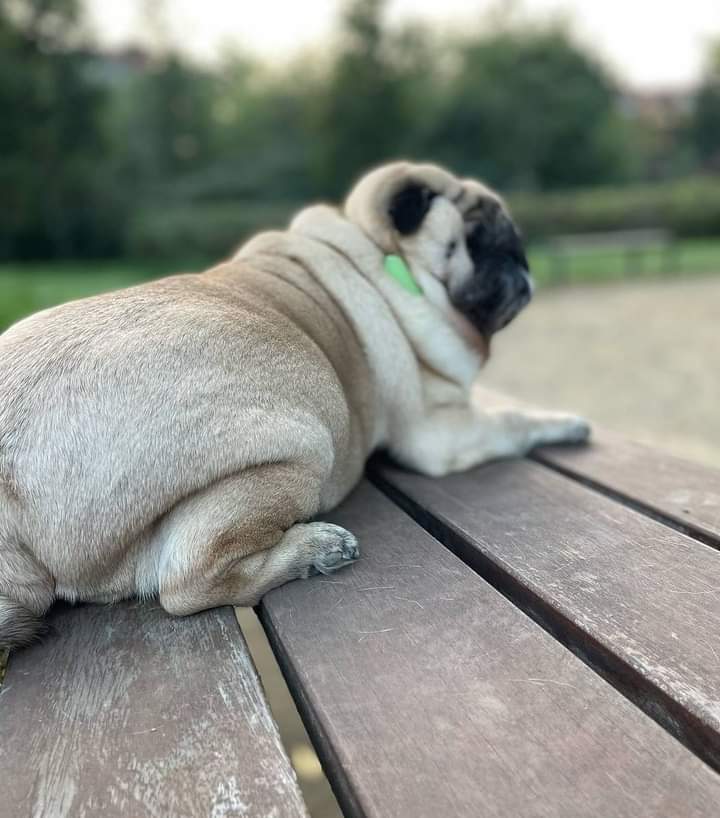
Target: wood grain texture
x,y
684,494
667,487
126,711
638,600
428,694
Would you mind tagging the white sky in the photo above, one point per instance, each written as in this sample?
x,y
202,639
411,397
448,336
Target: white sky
x,y
651,43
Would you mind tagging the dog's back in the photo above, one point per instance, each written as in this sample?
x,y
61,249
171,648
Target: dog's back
x,y
116,408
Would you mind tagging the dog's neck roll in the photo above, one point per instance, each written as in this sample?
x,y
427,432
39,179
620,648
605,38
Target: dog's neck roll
x,y
436,342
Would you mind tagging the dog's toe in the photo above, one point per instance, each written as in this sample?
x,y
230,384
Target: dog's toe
x,y
333,548
577,430
559,427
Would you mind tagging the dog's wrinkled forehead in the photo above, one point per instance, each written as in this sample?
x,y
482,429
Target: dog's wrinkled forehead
x,y
488,224
481,205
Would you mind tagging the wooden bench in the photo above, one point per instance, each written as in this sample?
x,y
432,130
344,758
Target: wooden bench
x,y
538,637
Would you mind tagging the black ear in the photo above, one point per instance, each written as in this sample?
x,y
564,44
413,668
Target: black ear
x,y
409,206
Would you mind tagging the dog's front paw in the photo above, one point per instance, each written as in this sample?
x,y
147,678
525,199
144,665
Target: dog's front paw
x,y
575,429
560,427
333,548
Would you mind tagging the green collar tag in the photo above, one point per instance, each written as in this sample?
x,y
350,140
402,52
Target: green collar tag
x,y
396,268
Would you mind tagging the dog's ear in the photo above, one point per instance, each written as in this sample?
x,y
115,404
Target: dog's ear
x,y
409,206
395,198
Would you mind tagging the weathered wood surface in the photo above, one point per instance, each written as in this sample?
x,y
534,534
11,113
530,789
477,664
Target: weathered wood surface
x,y
128,712
639,600
685,494
667,487
429,694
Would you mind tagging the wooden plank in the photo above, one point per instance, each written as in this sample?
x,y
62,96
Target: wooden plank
x,y
126,711
638,600
683,493
429,694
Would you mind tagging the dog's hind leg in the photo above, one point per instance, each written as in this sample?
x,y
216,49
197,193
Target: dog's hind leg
x,y
234,542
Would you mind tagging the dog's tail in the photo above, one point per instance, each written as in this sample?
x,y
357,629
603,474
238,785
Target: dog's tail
x,y
18,625
27,590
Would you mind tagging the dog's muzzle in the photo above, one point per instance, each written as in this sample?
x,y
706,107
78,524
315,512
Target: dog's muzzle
x,y
500,285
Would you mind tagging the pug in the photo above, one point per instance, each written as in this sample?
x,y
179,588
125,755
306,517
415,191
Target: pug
x,y
176,440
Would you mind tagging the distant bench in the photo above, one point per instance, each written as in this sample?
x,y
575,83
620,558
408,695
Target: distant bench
x,y
537,637
634,245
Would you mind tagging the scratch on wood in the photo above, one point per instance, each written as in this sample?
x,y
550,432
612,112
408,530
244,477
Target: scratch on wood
x,y
414,601
75,714
372,633
546,681
382,630
399,565
336,604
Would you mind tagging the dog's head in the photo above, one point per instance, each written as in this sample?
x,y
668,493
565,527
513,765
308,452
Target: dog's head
x,y
456,237
500,285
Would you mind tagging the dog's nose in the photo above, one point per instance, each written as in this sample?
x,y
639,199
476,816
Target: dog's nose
x,y
525,288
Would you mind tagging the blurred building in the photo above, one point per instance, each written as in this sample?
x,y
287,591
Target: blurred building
x,y
112,69
661,116
661,109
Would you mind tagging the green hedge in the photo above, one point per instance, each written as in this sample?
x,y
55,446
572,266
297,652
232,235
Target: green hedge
x,y
688,209
201,230
212,230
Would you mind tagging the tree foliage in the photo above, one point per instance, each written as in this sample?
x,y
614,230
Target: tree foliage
x,y
51,143
705,125
360,114
170,155
527,108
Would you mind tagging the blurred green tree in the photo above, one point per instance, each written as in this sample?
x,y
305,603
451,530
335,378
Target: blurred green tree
x,y
705,123
51,142
263,131
360,117
528,108
161,123
49,25
149,153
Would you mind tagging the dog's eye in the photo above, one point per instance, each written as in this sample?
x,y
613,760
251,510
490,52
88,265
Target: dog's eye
x,y
451,248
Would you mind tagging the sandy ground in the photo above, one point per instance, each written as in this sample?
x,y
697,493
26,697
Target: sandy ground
x,y
641,359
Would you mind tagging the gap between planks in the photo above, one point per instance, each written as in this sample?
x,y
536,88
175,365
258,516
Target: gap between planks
x,y
669,714
332,769
688,529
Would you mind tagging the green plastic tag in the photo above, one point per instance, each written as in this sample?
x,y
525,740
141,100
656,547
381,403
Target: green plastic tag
x,y
396,268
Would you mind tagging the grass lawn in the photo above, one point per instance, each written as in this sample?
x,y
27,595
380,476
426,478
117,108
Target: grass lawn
x,y
684,257
26,288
